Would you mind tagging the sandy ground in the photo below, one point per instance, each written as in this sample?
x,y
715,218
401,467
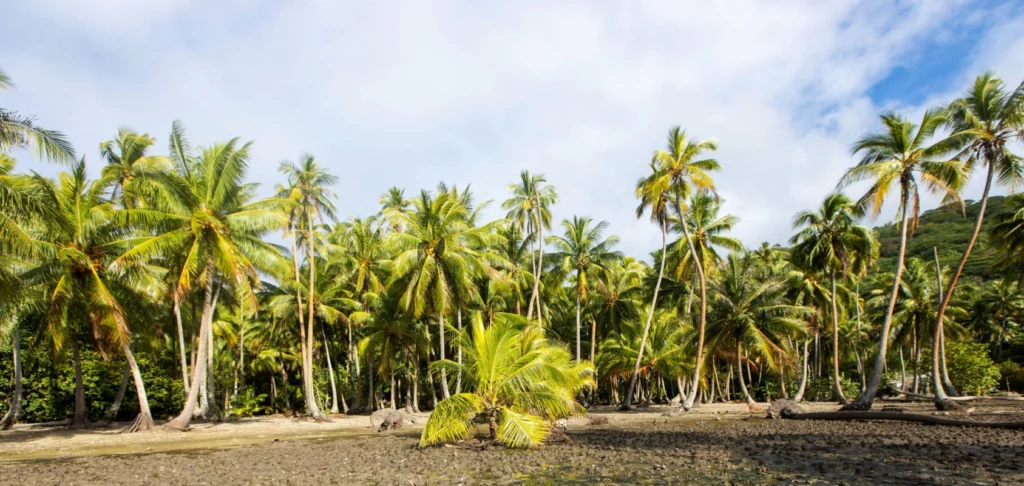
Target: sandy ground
x,y
721,443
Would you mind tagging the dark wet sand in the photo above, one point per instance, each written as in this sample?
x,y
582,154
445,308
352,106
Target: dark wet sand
x,y
632,450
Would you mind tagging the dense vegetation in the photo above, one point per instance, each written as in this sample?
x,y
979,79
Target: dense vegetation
x,y
168,287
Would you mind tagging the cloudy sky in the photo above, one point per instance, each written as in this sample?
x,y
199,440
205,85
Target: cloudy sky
x,y
411,93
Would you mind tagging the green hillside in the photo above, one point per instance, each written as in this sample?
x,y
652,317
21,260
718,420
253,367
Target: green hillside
x,y
947,229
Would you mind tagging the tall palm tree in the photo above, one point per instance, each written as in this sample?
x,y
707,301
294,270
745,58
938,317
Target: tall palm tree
x,y
831,241
902,155
437,257
81,286
521,383
17,131
130,169
653,192
530,209
582,251
309,192
216,223
707,232
988,118
683,171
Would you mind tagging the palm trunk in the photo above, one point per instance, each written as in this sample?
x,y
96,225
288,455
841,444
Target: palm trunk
x,y
181,343
536,273
306,350
394,403
836,382
540,267
688,404
15,412
330,371
241,354
650,317
372,395
416,387
458,375
865,400
444,376
353,356
115,407
803,376
579,291
739,363
182,421
145,419
208,403
81,417
314,410
903,372
941,400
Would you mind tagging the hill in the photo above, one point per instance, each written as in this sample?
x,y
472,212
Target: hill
x,y
947,229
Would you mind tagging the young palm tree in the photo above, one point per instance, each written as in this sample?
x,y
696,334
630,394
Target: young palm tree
x,y
215,223
309,192
530,209
436,258
682,170
74,270
750,311
583,252
521,384
988,118
831,242
19,131
668,355
901,155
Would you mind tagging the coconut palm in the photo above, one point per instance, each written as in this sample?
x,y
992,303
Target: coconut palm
x,y
74,270
669,339
902,154
988,119
130,169
521,383
436,258
583,253
529,208
309,192
831,242
214,221
17,131
682,170
752,312
707,232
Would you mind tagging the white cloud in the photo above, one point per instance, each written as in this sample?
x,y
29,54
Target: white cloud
x,y
412,93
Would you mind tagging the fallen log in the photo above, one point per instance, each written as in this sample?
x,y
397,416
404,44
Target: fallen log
x,y
964,399
900,416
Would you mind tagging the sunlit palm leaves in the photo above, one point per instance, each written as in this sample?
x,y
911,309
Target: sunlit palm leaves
x,y
18,131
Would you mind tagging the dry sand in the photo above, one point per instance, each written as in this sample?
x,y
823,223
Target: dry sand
x,y
721,443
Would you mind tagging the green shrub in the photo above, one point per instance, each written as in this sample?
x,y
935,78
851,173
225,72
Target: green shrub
x,y
1012,376
970,368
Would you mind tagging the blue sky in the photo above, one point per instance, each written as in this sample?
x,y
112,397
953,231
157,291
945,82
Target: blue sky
x,y
412,93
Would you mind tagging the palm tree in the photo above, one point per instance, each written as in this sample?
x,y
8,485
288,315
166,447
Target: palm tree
x,y
583,251
76,248
130,169
669,338
530,209
682,171
521,384
707,231
394,203
831,242
989,119
437,257
751,311
214,222
653,193
19,131
901,154
309,191
1007,236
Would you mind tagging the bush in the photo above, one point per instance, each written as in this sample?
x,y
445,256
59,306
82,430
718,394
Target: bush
x,y
247,403
820,390
1012,376
970,368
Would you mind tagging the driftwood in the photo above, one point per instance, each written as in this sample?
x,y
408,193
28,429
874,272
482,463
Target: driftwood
x,y
900,416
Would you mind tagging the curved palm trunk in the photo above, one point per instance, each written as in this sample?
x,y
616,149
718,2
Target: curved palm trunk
x,y
739,364
444,376
182,421
330,371
81,417
181,343
307,362
690,397
803,376
207,393
15,412
540,268
650,317
536,272
145,419
115,407
314,409
941,399
836,382
864,401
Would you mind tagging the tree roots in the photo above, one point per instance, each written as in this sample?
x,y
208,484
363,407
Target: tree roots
x,y
141,423
905,417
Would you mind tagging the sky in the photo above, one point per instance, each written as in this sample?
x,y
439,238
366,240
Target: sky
x,y
409,94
